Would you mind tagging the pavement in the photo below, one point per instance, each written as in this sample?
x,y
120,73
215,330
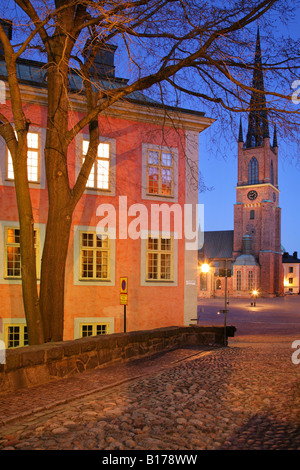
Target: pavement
x,y
245,396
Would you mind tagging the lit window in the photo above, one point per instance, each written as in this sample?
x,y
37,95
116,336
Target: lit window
x,y
32,159
291,280
99,175
16,336
250,280
94,256
13,252
160,173
238,280
159,259
93,329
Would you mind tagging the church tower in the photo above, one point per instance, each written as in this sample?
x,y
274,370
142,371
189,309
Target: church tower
x,y
257,213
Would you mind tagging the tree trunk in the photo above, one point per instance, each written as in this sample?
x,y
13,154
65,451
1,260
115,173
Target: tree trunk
x,y
27,250
53,272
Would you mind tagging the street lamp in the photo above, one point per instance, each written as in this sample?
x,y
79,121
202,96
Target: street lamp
x,y
204,268
255,294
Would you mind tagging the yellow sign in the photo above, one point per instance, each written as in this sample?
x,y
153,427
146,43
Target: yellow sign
x,y
123,285
123,299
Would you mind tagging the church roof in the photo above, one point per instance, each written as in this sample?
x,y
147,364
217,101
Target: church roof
x,y
246,260
217,245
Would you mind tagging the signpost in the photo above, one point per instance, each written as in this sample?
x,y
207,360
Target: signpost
x,y
124,296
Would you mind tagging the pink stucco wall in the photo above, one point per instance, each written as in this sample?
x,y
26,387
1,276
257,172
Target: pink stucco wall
x,y
148,306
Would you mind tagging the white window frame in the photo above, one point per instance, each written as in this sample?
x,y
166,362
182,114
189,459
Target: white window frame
x,y
94,249
144,262
17,245
78,321
4,224
159,252
78,280
146,147
112,164
4,152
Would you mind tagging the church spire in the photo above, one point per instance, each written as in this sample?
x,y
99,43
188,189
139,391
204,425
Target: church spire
x,y
258,127
241,139
275,137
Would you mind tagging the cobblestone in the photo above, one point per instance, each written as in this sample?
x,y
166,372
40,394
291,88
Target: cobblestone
x,y
245,396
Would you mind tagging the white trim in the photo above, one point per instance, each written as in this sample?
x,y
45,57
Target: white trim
x,y
10,223
79,320
160,148
112,164
76,253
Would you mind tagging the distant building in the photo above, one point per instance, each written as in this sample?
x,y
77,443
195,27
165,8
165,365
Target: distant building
x,y
252,251
291,269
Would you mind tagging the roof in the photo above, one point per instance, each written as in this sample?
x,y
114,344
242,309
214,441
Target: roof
x,y
217,245
287,258
246,260
34,73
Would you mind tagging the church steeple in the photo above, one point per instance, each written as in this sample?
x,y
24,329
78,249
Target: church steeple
x,y
258,127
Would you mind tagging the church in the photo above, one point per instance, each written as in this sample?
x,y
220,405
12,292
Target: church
x,y
247,261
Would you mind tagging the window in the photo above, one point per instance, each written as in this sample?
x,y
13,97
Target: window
x,y
16,336
272,173
99,177
238,280
218,284
93,329
250,280
160,173
13,253
203,281
291,269
33,143
253,171
252,214
94,256
291,280
159,266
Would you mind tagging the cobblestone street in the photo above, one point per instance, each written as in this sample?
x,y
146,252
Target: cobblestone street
x,y
244,396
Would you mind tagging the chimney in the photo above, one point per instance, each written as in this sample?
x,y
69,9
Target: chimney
x,y
7,26
295,254
104,61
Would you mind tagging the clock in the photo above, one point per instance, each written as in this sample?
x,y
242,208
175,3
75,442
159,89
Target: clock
x,y
252,195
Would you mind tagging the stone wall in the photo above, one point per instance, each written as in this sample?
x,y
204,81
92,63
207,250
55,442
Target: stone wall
x,y
34,365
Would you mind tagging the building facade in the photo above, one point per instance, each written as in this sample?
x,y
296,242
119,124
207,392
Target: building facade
x,y
143,159
253,251
291,268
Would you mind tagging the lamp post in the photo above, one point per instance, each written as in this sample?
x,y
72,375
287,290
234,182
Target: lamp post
x,y
255,294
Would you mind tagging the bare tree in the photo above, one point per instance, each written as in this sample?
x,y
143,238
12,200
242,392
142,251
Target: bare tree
x,y
201,50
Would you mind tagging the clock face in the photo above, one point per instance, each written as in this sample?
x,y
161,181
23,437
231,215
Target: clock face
x,y
252,195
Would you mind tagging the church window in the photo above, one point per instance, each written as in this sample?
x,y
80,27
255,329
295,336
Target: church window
x,y
250,280
272,173
253,171
252,214
238,280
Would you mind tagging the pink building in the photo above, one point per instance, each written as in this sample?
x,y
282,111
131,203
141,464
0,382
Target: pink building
x,y
144,160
